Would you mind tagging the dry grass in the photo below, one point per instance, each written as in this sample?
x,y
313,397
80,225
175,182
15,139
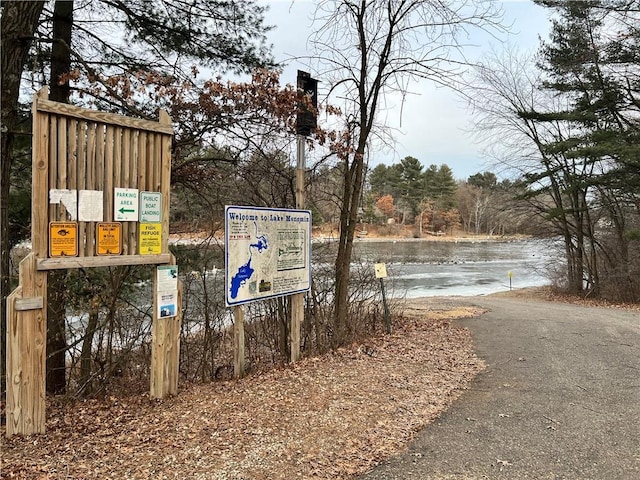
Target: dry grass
x,y
329,417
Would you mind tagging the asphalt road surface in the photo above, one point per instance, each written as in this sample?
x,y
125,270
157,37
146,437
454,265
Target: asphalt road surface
x,y
560,399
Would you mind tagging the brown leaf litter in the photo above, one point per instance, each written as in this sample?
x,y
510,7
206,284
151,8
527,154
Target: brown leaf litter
x,y
328,417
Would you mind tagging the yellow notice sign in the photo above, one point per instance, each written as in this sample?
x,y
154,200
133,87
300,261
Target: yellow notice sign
x,y
63,239
149,238
109,238
380,270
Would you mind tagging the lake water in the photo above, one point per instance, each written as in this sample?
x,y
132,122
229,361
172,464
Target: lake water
x,y
423,268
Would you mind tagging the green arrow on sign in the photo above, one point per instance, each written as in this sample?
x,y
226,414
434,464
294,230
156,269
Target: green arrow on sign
x,y
126,210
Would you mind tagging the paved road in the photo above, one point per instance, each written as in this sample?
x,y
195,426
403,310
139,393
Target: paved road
x,y
560,399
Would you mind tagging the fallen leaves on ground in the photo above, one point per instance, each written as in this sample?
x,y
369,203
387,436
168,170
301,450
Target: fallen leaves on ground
x,y
329,417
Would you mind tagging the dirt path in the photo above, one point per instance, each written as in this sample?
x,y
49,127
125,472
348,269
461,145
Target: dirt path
x,y
560,399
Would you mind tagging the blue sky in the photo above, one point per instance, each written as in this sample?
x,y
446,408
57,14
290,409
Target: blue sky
x,y
434,124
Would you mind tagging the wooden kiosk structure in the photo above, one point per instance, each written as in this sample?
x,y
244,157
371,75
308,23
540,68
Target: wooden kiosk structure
x,y
92,174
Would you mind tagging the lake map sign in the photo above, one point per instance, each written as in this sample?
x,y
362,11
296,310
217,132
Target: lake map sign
x,y
268,253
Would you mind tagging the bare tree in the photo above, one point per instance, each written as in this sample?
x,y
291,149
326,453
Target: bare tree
x,y
367,49
507,103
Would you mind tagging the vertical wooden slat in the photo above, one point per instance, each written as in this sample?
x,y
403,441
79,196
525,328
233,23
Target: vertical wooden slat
x,y
135,181
92,132
109,174
61,181
40,179
165,179
157,161
82,181
151,155
125,180
142,168
53,165
72,155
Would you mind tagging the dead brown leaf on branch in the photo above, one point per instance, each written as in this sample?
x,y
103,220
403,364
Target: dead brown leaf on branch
x,y
328,417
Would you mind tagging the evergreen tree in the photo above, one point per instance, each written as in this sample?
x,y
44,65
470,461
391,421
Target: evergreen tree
x,y
411,184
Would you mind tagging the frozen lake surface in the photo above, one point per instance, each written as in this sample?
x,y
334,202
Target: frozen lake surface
x,y
423,268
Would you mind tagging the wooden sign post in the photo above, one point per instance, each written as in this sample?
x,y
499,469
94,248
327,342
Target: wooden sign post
x,y
88,170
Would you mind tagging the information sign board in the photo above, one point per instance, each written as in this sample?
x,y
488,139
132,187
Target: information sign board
x,y
63,239
150,238
109,238
150,207
268,253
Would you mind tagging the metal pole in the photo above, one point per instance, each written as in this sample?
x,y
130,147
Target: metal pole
x,y
387,320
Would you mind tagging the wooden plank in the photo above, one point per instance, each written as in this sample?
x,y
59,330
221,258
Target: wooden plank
x,y
238,342
53,164
103,117
82,181
121,172
132,242
109,166
61,181
33,303
157,162
72,156
165,180
142,168
14,367
90,227
40,179
102,261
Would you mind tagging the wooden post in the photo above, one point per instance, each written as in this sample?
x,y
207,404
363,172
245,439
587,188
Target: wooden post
x,y
238,342
297,300
26,345
165,349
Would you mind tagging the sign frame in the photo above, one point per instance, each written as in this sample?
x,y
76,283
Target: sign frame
x,y
280,239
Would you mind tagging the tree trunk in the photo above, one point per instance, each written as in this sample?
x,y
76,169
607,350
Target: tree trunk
x,y
86,383
19,22
56,314
353,178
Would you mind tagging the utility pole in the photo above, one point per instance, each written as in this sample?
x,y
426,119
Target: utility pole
x,y
306,121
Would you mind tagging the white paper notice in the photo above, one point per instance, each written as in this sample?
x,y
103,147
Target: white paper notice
x,y
167,304
90,206
167,278
68,198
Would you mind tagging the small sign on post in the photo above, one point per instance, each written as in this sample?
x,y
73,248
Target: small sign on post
x,y
63,239
150,241
150,207
125,204
380,270
108,238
